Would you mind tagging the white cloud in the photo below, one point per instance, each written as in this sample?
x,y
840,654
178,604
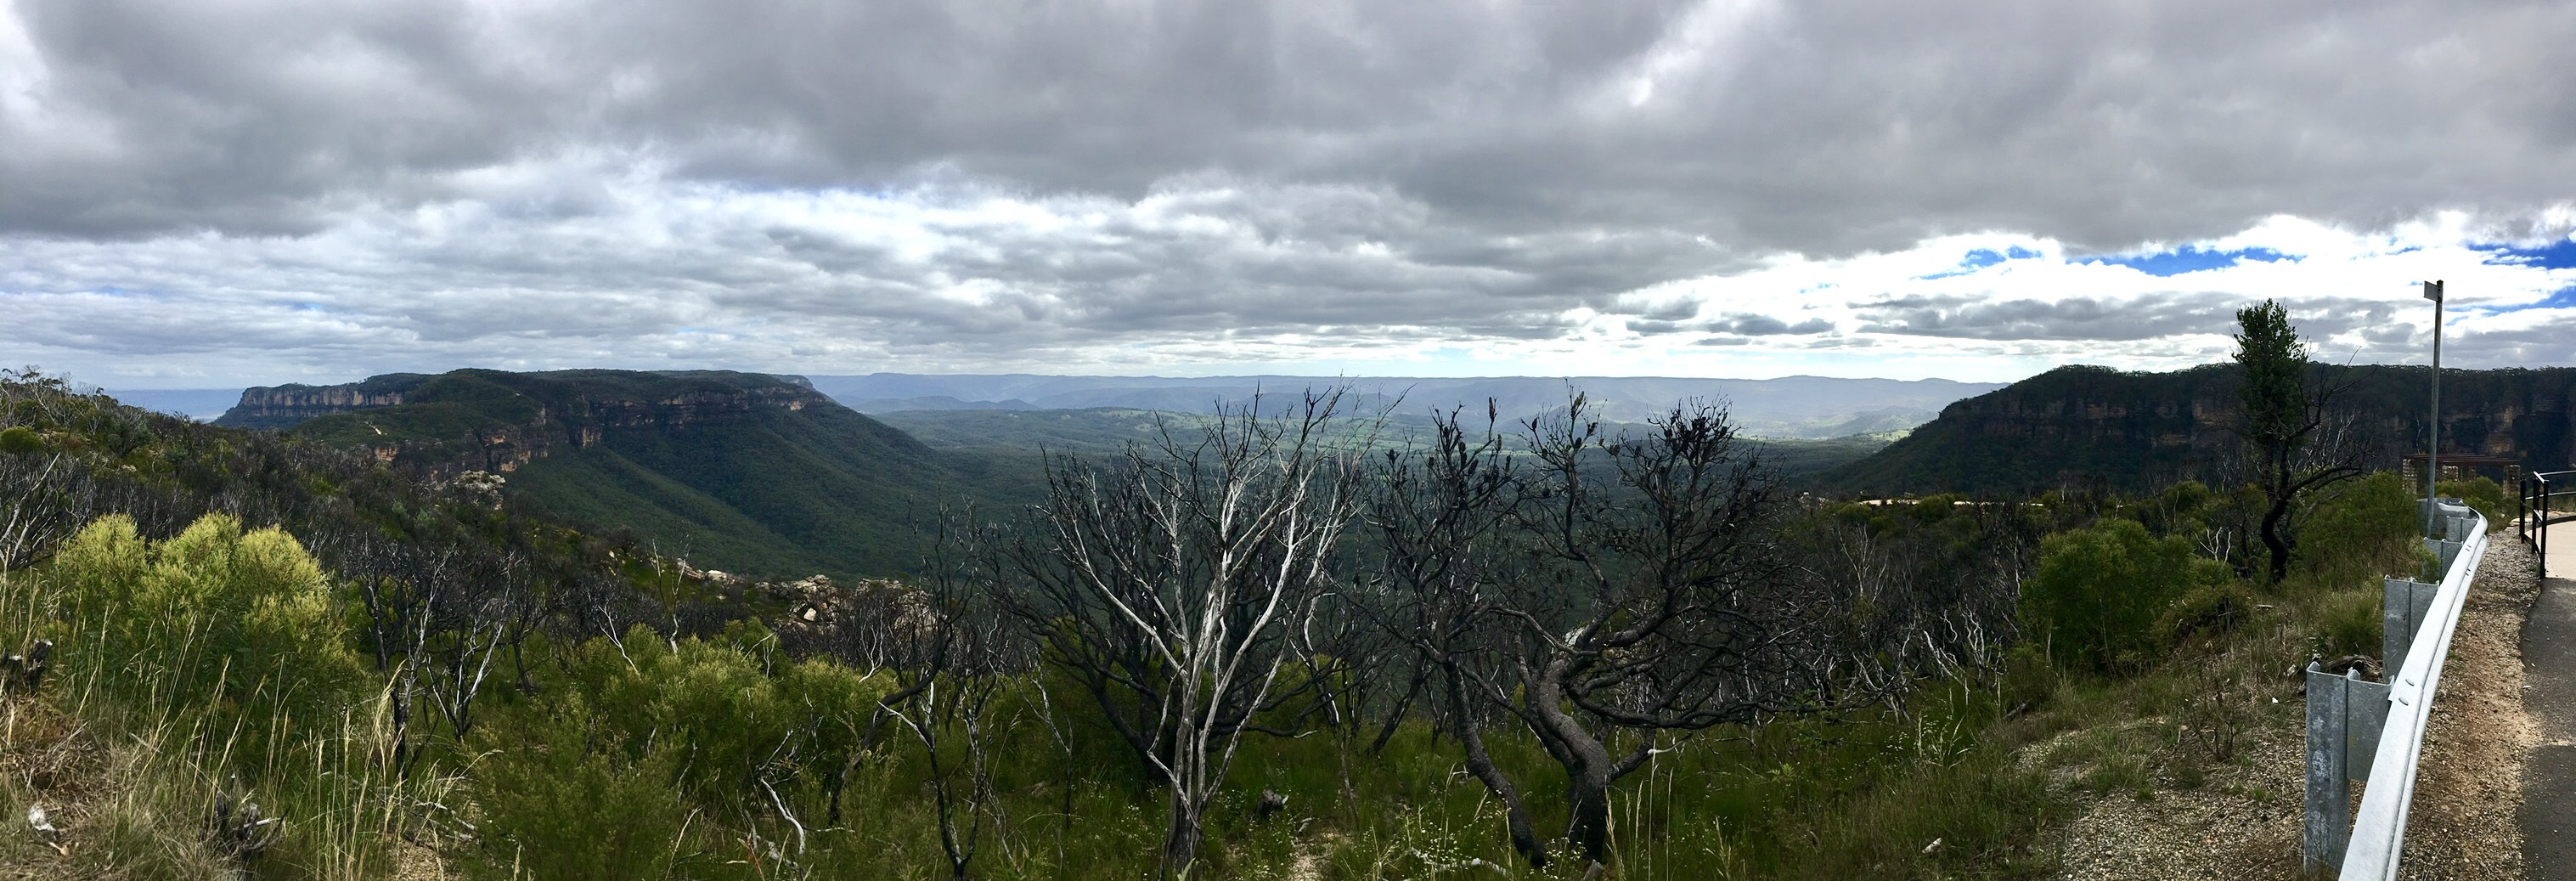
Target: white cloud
x,y
600,259
1739,187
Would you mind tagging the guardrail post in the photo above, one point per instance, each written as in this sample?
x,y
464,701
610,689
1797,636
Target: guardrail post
x,y
2443,551
2326,824
2401,614
2345,717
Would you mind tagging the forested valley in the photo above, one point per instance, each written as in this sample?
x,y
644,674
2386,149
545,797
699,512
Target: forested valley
x,y
1275,643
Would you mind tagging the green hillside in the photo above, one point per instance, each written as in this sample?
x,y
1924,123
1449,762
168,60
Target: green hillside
x,y
736,471
2085,425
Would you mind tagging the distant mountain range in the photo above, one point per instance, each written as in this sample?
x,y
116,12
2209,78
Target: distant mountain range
x,y
1790,407
773,475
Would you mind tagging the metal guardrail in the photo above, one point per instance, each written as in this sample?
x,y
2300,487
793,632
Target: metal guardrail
x,y
2542,492
2373,732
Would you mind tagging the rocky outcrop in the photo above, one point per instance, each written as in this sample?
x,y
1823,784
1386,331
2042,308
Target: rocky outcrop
x,y
286,405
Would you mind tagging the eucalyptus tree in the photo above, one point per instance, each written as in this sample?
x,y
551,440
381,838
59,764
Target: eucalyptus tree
x,y
1173,579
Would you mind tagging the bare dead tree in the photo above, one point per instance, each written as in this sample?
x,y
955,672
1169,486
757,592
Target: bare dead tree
x,y
952,709
1605,590
1171,582
950,655
1440,516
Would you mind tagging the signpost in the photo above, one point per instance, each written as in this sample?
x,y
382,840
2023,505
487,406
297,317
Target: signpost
x,y
2433,453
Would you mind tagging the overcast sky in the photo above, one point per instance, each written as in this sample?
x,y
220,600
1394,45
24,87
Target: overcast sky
x,y
231,192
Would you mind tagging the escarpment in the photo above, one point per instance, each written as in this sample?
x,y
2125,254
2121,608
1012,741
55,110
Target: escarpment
x,y
747,472
488,420
2097,426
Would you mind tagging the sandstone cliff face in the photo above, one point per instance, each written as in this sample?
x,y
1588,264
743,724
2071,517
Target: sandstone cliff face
x,y
441,426
505,448
282,406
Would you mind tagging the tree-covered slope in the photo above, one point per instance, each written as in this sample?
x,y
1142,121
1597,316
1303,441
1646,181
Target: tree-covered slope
x,y
2095,425
737,471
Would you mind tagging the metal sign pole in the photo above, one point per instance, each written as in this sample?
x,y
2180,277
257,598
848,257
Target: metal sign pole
x,y
2433,452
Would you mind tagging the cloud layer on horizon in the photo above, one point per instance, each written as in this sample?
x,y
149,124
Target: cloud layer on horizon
x,y
230,193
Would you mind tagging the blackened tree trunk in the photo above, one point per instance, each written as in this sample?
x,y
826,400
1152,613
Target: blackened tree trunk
x,y
2291,431
1480,763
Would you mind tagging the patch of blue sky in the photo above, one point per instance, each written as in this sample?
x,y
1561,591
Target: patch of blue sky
x,y
2560,254
2564,298
2188,258
1982,258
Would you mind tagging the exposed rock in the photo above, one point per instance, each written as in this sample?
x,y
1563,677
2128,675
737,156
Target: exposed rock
x,y
480,487
870,622
281,406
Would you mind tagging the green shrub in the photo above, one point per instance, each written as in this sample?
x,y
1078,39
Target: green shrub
x,y
2205,609
20,439
652,732
2483,494
244,621
2028,680
2360,530
2181,509
2098,592
217,660
562,799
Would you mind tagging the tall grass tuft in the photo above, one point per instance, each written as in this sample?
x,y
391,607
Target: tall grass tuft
x,y
206,716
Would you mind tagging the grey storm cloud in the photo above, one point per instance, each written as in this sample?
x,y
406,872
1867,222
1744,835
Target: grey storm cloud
x,y
1814,127
431,181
